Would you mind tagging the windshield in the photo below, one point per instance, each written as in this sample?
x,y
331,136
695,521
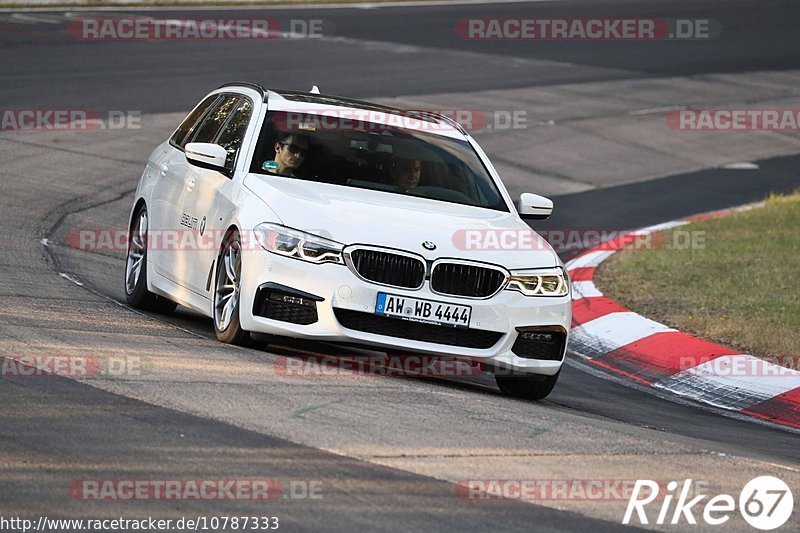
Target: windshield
x,y
374,156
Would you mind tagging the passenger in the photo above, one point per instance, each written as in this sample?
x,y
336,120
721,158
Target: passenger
x,y
406,173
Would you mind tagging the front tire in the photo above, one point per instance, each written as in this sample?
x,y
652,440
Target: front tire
x,y
532,387
136,293
227,290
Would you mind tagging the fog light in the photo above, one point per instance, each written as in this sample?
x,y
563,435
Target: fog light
x,y
540,337
288,299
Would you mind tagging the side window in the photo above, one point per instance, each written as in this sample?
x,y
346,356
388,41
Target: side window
x,y
188,125
214,120
232,133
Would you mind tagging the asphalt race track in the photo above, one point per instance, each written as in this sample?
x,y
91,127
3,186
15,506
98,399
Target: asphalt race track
x,y
387,452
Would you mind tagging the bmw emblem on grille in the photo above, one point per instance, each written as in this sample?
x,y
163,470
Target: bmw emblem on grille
x,y
428,245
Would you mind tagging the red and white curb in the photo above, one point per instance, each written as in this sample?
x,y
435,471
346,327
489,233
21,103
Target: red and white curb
x,y
607,335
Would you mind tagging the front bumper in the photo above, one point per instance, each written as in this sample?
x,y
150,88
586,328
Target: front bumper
x,y
351,298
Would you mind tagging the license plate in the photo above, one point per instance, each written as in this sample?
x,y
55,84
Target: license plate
x,y
418,310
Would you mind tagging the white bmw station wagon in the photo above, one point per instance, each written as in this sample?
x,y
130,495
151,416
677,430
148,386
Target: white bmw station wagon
x,y
317,217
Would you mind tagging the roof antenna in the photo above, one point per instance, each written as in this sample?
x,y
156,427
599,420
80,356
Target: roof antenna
x,y
315,90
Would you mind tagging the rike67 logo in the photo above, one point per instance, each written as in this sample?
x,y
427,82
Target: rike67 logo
x,y
765,502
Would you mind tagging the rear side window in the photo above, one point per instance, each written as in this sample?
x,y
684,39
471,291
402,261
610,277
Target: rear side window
x,y
189,124
232,133
214,120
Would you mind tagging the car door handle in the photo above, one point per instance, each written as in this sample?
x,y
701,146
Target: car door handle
x,y
163,169
189,183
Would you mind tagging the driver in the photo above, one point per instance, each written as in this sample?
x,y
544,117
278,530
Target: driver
x,y
290,152
406,173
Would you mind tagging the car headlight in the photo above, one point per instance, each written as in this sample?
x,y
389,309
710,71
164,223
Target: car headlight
x,y
539,282
298,244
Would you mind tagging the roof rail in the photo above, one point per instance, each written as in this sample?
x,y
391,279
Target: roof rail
x,y
255,86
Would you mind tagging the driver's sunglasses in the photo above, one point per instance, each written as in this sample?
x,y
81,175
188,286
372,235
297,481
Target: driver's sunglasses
x,y
295,148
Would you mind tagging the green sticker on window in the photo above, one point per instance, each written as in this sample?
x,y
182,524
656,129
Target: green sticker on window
x,y
270,165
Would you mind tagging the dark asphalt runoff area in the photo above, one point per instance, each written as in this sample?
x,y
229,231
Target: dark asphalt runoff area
x,y
54,431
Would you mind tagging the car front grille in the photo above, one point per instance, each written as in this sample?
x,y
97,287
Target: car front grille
x,y
416,331
466,280
388,268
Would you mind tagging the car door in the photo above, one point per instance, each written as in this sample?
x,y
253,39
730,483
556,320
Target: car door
x,y
163,209
205,191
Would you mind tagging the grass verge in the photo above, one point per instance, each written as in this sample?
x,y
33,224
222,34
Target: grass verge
x,y
738,285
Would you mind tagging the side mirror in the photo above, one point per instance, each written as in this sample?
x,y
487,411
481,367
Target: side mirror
x,y
207,155
534,207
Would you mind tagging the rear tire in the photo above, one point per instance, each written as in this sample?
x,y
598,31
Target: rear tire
x,y
227,290
532,387
135,283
